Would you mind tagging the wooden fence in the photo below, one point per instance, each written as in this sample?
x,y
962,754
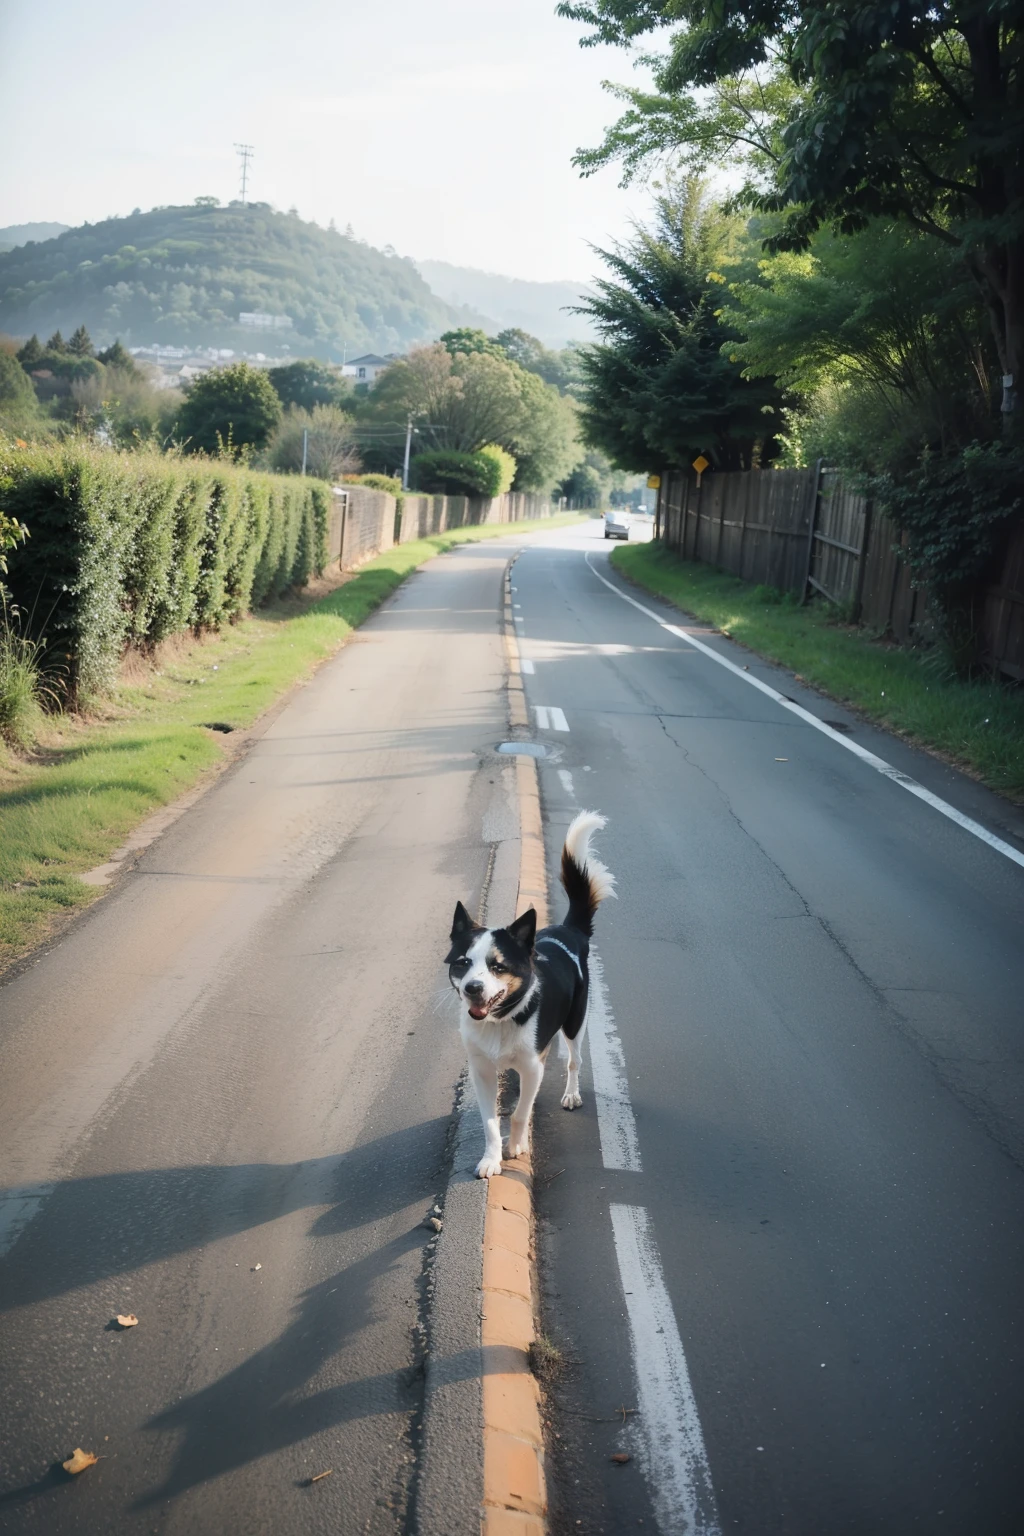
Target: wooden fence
x,y
364,522
805,531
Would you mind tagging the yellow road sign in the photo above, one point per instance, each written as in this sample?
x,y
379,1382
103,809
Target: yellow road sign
x,y
700,463
654,482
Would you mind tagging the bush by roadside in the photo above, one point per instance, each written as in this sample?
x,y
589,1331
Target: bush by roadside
x,y
129,549
978,725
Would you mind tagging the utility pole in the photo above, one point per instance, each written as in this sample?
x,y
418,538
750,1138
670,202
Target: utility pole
x,y
245,153
408,445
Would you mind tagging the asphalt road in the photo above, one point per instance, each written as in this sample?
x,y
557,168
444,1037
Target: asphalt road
x,y
225,1098
817,982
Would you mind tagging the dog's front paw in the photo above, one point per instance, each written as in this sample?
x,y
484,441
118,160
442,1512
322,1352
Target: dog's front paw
x,y
488,1167
571,1099
519,1144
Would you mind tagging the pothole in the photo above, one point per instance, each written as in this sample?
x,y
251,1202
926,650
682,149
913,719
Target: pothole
x,y
218,725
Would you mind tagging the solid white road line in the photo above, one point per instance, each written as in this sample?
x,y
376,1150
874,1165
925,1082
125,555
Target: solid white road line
x,y
878,763
616,1123
526,666
550,718
668,1425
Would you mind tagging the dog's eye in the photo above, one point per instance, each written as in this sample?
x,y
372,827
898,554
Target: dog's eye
x,y
497,966
457,963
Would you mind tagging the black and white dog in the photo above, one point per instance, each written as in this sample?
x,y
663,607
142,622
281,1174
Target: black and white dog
x,y
519,988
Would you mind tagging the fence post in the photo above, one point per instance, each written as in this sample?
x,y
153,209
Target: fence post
x,y
862,561
812,530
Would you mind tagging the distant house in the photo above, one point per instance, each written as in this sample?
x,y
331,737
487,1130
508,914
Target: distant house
x,y
366,368
257,320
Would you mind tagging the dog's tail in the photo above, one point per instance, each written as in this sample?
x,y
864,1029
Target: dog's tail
x,y
587,882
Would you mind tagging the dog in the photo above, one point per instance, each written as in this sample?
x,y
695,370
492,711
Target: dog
x,y
518,988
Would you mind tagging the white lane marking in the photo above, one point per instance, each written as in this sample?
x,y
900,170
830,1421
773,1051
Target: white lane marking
x,y
517,605
878,763
517,618
565,778
550,718
668,1426
18,1207
616,1123
526,666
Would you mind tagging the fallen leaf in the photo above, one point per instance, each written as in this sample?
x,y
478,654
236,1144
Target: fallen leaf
x,y
322,1474
256,1267
80,1460
621,1458
127,1319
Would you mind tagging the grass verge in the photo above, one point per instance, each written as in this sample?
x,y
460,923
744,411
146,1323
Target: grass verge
x,y
979,726
65,808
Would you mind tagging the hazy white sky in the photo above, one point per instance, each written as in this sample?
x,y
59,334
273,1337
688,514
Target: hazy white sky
x,y
443,129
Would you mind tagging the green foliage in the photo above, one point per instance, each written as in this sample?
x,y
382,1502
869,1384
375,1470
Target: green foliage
x,y
183,276
30,353
229,410
470,399
329,439
117,356
954,508
307,383
661,387
446,472
132,548
80,344
505,468
910,110
388,483
21,684
561,369
583,487
56,343
465,339
16,392
881,335
122,408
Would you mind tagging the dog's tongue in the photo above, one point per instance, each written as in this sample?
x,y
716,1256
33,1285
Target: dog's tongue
x,y
479,1012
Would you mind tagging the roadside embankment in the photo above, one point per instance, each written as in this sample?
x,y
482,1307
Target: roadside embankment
x,y
92,779
978,725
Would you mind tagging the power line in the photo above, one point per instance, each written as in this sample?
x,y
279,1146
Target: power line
x,y
245,153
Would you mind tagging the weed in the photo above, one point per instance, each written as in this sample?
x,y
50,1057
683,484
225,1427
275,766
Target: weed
x,y
546,1359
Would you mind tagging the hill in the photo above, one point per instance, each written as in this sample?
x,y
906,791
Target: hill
x,y
540,308
182,276
21,234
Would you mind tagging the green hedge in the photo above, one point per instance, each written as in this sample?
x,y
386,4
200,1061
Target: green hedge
x,y
127,549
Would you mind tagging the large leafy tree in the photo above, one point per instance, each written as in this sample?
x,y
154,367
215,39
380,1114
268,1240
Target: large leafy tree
x,y
912,108
229,410
307,383
661,388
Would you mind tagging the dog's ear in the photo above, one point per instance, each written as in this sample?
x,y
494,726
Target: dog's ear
x,y
524,929
462,923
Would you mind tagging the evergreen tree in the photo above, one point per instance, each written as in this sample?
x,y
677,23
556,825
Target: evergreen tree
x,y
30,353
56,343
81,343
115,356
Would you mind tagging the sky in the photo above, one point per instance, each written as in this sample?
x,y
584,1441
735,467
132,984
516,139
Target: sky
x,y
445,130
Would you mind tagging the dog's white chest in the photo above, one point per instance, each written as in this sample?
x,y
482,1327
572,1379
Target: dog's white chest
x,y
499,1040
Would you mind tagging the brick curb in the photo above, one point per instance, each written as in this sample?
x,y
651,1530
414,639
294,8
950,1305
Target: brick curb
x,y
514,1493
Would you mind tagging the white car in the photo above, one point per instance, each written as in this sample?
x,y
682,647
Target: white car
x,y
617,523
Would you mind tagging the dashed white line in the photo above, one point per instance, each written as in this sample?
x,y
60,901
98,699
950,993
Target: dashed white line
x,y
673,1453
565,779
525,665
878,763
550,718
616,1123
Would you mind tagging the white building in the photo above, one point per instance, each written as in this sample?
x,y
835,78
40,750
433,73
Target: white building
x,y
257,320
366,368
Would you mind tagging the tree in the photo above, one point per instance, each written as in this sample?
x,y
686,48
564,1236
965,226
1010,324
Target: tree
x,y
17,397
117,356
659,389
505,468
466,339
229,410
307,383
444,472
80,344
30,353
329,442
907,108
546,445
56,343
557,368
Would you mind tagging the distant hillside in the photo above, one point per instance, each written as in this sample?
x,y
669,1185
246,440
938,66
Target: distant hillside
x,y
540,308
21,234
182,277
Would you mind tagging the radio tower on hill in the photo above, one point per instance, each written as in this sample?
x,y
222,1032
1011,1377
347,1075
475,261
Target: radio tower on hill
x,y
245,153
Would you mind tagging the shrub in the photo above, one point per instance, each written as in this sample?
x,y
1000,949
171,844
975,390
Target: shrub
x,y
228,411
505,469
129,548
389,483
447,473
20,683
